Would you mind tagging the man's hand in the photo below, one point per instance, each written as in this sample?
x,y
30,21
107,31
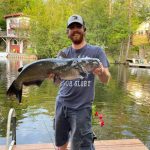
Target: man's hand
x,y
99,71
102,73
56,79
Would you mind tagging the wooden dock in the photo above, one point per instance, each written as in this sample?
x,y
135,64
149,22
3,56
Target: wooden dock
x,y
140,65
123,144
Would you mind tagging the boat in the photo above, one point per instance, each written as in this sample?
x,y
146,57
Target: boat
x,y
137,62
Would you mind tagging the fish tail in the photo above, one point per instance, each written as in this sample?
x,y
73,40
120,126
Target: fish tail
x,y
14,91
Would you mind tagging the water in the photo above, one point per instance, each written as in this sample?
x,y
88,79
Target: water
x,y
124,103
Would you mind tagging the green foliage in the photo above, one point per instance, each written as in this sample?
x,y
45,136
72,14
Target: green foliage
x,y
47,27
94,119
11,6
109,23
135,48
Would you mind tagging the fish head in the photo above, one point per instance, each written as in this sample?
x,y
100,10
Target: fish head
x,y
75,62
89,64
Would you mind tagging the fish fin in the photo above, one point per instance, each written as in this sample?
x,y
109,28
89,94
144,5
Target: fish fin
x,y
83,74
14,91
37,82
20,69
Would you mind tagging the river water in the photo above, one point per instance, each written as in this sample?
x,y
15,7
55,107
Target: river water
x,y
124,103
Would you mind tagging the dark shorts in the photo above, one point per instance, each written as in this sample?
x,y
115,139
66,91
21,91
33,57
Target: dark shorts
x,y
73,126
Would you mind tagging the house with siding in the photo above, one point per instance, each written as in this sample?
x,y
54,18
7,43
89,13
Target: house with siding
x,y
16,36
142,34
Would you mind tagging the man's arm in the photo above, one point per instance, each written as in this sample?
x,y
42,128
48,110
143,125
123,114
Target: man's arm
x,y
103,74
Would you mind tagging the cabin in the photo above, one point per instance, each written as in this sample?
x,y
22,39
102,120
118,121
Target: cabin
x,y
142,34
141,40
16,36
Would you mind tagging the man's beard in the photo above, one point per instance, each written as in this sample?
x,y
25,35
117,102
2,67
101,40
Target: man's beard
x,y
76,38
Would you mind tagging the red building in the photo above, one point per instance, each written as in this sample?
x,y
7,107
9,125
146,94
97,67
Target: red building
x,y
17,33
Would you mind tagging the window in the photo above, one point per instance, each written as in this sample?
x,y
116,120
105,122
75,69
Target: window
x,y
14,42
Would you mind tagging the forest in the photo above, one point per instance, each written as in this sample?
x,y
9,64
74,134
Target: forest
x,y
110,23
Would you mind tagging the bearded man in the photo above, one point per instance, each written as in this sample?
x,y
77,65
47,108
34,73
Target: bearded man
x,y
74,100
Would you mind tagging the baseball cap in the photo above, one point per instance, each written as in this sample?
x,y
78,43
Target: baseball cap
x,y
75,19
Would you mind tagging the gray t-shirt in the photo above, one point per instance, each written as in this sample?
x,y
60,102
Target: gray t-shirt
x,y
79,93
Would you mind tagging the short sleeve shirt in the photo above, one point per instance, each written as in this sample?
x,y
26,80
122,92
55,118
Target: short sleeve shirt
x,y
79,93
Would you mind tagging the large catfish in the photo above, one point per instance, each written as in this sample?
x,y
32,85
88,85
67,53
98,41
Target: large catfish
x,y
66,69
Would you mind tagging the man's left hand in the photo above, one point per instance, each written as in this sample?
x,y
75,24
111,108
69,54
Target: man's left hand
x,y
99,71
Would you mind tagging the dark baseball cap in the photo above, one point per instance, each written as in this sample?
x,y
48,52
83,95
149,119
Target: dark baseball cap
x,y
75,19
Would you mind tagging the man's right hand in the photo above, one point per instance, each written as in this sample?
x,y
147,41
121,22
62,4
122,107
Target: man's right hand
x,y
56,79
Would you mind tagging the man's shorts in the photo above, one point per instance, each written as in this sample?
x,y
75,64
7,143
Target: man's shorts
x,y
73,126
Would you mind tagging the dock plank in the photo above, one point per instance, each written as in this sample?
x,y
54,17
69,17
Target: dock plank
x,y
123,144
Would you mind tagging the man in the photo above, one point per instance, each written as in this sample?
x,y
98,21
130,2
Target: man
x,y
75,97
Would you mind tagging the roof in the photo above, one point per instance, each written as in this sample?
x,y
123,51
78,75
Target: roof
x,y
13,15
12,37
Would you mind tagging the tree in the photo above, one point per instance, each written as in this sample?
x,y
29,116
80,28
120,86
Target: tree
x,y
110,23
48,21
11,6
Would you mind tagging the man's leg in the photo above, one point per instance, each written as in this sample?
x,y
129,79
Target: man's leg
x,y
81,130
62,128
87,134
